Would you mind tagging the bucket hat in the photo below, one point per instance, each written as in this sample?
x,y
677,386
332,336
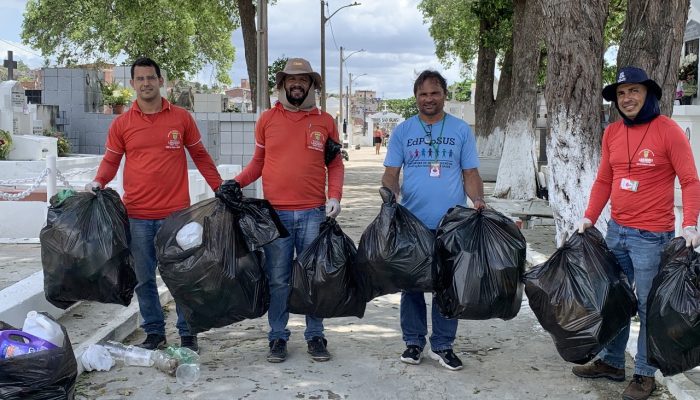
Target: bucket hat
x,y
298,66
631,75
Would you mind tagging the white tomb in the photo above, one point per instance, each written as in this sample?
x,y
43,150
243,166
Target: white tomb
x,y
15,117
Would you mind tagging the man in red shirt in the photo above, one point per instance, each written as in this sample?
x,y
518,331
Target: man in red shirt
x,y
153,136
290,141
641,156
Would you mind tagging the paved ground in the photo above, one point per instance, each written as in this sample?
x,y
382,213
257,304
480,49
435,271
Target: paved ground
x,y
503,359
512,359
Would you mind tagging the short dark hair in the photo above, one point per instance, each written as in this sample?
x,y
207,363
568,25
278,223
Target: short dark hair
x,y
427,75
145,62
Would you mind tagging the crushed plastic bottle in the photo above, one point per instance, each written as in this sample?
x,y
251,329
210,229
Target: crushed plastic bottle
x,y
130,355
164,362
187,372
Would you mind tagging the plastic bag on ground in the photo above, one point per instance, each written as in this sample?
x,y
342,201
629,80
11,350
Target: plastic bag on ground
x,y
673,311
480,263
220,282
581,296
96,358
85,250
46,375
395,251
324,280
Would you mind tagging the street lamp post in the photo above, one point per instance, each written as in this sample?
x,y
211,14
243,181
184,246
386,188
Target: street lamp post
x,y
347,105
323,48
340,97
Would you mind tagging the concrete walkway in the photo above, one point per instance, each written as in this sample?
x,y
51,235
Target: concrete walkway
x,y
512,359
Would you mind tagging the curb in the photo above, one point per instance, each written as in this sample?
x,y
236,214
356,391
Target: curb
x,y
678,385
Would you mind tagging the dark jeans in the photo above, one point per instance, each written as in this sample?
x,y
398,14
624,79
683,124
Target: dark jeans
x,y
142,246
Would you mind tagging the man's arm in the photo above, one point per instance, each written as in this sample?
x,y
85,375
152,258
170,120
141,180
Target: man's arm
x,y
205,165
390,179
474,187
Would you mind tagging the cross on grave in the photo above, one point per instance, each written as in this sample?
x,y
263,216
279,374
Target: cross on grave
x,y
10,64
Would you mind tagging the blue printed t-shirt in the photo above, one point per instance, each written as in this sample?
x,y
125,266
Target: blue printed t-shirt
x,y
429,198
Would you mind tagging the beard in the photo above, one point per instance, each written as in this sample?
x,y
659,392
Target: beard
x,y
295,97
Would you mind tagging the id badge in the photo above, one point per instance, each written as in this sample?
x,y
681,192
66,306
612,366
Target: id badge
x,y
629,185
435,169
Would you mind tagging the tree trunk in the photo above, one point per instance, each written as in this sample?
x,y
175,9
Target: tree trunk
x,y
516,173
484,102
491,145
652,39
246,12
574,39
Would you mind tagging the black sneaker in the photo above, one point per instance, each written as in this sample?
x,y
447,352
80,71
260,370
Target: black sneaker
x,y
317,349
278,351
412,355
446,358
153,341
189,342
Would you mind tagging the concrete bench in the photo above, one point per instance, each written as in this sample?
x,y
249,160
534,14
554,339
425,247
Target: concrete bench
x,y
526,218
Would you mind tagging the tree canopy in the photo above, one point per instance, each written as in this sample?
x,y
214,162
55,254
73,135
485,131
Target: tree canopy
x,y
404,107
182,36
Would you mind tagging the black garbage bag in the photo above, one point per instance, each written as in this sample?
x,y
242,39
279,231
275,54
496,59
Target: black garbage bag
x,y
331,150
257,219
85,250
395,251
673,311
480,264
44,375
324,279
581,296
220,281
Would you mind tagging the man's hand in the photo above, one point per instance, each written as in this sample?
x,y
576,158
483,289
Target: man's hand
x,y
691,236
93,186
583,224
332,208
479,203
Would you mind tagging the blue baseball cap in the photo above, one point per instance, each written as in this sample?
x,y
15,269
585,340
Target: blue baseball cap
x,y
631,75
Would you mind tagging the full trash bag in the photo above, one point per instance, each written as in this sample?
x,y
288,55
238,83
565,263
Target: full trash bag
x,y
581,296
85,250
673,311
44,375
324,279
221,281
480,264
395,251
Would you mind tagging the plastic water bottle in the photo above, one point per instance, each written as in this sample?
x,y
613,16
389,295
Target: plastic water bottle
x,y
130,355
43,327
165,363
187,372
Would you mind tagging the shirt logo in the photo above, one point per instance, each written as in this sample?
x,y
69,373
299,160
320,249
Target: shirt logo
x,y
315,141
174,140
646,158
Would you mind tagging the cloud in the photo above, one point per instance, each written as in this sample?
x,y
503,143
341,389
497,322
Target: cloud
x,y
396,43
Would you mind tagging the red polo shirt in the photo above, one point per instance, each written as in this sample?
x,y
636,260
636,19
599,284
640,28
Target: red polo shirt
x,y
155,172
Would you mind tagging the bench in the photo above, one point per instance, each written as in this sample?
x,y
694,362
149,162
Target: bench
x,y
526,217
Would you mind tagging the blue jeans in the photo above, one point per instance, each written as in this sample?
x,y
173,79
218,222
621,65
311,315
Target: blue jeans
x,y
303,227
414,323
639,254
142,246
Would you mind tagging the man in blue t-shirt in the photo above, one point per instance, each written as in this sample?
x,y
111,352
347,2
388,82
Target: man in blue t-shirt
x,y
438,154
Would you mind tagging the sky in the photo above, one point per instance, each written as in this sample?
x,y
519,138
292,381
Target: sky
x,y
396,43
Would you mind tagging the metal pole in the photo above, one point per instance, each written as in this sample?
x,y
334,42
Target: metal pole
x,y
340,95
50,178
323,57
261,84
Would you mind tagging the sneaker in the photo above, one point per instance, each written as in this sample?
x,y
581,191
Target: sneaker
x,y
640,388
599,369
446,358
317,349
412,355
278,351
189,342
153,341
